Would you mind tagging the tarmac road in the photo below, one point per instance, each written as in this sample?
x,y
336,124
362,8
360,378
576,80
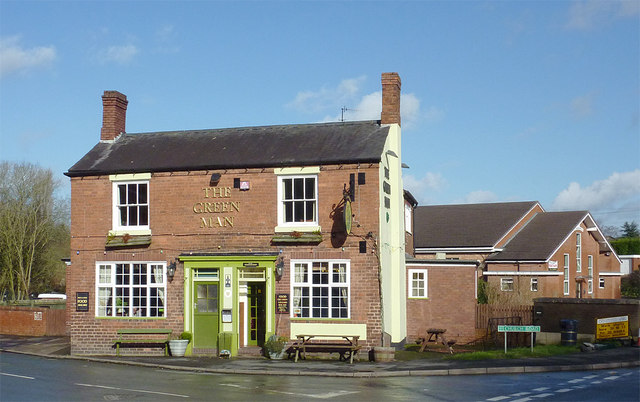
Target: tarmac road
x,y
27,377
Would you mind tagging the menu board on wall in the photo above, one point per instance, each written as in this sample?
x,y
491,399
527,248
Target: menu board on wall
x,y
82,301
282,303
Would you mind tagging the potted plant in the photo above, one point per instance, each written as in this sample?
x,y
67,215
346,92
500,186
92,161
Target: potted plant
x,y
274,346
179,346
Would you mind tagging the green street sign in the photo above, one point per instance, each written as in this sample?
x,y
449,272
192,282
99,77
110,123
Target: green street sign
x,y
518,328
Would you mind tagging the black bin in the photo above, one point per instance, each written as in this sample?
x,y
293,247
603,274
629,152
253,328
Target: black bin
x,y
568,332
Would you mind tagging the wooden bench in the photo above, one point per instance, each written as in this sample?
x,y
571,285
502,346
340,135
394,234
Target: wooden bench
x,y
347,348
132,337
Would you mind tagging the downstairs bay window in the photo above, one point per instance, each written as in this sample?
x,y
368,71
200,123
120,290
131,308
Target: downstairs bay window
x,y
320,289
130,289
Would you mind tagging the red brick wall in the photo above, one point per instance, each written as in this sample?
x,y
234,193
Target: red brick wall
x,y
177,229
32,321
451,304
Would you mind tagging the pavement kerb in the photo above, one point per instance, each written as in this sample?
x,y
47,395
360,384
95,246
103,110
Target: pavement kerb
x,y
356,374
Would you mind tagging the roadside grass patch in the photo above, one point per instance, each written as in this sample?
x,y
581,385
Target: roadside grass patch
x,y
475,352
516,353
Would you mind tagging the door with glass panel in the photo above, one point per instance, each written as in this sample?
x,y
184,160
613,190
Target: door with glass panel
x,y
205,315
255,298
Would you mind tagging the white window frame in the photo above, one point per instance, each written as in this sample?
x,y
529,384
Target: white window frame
x,y
590,273
601,283
117,225
281,201
408,218
534,284
506,284
578,252
565,283
310,305
135,303
418,283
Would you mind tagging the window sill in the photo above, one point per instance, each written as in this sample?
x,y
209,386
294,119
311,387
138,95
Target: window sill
x,y
322,320
127,240
129,231
297,237
301,229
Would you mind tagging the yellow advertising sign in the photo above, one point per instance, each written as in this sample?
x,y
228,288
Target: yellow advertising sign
x,y
612,327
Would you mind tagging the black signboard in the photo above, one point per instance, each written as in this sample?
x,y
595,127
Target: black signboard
x,y
82,301
282,303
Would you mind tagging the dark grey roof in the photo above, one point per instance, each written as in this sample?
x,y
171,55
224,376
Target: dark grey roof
x,y
466,225
541,237
246,147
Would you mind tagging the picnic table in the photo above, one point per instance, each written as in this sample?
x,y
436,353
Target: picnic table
x,y
436,335
345,345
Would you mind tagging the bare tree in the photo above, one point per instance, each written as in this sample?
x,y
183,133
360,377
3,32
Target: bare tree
x,y
29,226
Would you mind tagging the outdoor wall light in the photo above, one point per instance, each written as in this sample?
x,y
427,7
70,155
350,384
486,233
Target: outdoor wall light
x,y
171,271
279,267
215,178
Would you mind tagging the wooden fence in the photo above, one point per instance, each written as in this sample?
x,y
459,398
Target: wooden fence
x,y
485,312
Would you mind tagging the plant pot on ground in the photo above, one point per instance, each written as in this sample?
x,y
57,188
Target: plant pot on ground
x,y
178,347
274,347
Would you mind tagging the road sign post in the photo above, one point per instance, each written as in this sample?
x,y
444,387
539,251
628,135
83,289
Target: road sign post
x,y
518,328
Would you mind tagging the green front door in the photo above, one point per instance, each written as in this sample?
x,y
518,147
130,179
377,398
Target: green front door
x,y
205,315
255,297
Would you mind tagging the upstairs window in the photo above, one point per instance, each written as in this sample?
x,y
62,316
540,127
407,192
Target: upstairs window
x,y
298,200
578,252
131,205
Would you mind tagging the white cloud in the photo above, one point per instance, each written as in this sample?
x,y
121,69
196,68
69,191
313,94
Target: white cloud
x,y
14,57
586,15
424,187
118,54
358,107
477,197
608,194
325,97
582,106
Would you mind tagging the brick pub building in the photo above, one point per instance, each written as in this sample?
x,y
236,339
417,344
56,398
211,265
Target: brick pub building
x,y
236,234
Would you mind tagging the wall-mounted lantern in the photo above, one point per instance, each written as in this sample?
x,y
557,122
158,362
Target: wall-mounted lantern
x,y
171,271
279,267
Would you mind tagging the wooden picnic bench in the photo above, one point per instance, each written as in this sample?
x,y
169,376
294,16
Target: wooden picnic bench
x,y
436,335
152,337
345,345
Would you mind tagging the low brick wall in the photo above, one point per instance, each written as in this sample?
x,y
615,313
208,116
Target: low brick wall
x,y
32,321
547,312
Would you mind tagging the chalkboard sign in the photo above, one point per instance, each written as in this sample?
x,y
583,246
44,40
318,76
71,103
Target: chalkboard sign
x,y
82,301
282,303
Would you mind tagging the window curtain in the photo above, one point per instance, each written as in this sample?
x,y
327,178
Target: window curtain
x,y
158,271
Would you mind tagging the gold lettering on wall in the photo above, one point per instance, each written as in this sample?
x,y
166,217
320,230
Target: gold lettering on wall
x,y
216,207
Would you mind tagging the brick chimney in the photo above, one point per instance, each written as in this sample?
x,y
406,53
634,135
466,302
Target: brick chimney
x,y
390,98
114,115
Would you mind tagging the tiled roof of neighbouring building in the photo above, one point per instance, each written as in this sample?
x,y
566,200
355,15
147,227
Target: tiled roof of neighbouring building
x,y
466,225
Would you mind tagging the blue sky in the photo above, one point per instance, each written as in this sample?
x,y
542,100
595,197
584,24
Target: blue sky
x,y
502,101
